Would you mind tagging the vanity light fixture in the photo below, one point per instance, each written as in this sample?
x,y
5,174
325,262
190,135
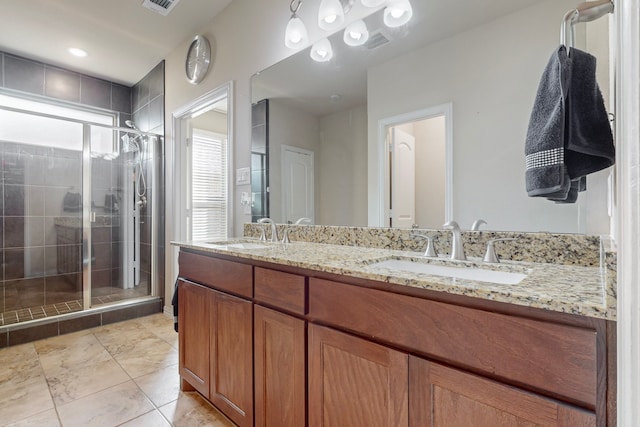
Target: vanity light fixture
x,y
356,34
295,35
397,13
330,15
321,51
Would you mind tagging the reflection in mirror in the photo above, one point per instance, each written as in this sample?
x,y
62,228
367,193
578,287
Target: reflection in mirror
x,y
259,160
485,63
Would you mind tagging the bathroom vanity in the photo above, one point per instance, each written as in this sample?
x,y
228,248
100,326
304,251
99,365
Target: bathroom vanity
x,y
323,335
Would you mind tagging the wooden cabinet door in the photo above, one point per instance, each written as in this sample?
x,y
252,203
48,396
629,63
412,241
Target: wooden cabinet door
x,y
353,382
279,369
193,324
445,397
232,357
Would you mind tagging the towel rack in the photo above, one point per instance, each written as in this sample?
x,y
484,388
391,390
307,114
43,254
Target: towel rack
x,y
585,12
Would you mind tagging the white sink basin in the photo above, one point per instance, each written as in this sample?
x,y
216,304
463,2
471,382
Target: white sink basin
x,y
462,272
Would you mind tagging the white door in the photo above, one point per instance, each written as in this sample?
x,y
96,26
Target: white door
x,y
297,184
403,179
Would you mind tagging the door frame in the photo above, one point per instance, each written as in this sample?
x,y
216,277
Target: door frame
x,y
176,176
445,110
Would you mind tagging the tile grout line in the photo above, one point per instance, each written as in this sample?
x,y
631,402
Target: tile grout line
x,y
55,406
132,379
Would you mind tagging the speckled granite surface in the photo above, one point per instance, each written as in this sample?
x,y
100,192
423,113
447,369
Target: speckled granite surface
x,y
583,290
566,249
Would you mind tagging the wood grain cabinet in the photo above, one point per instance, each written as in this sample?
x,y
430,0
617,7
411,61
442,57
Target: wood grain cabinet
x,y
193,337
295,348
216,349
354,382
445,397
231,357
280,369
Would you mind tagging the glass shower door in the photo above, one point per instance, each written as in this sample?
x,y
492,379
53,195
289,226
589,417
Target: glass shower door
x,y
117,216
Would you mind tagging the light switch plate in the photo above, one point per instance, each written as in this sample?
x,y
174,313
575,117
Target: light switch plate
x,y
243,176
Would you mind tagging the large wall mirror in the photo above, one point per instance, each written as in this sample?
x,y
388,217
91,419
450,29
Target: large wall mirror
x,y
458,86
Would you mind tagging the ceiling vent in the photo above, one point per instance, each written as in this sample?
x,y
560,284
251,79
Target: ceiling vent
x,y
163,7
376,40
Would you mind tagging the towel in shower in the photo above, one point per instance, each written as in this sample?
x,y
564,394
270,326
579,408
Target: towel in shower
x,y
569,135
546,173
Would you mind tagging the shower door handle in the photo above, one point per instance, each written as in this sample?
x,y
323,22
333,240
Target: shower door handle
x,y
92,216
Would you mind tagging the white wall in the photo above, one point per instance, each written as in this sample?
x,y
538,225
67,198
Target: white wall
x,y
430,172
490,74
213,121
341,196
294,127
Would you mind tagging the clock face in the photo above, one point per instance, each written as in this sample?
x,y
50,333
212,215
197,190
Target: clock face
x,y
198,59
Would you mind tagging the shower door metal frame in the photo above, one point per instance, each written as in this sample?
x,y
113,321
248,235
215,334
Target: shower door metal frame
x,y
86,216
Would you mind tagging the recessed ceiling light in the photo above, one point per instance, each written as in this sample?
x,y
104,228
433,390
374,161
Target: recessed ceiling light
x,y
77,52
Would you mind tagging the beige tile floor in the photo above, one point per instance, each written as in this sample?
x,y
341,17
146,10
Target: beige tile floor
x,y
123,374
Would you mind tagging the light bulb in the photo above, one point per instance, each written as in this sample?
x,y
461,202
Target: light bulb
x,y
372,3
330,15
356,34
295,35
321,51
330,19
397,13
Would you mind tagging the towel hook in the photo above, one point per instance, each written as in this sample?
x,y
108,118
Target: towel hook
x,y
585,12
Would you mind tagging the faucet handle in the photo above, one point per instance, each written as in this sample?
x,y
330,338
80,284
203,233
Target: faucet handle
x,y
263,236
451,225
490,254
431,247
285,237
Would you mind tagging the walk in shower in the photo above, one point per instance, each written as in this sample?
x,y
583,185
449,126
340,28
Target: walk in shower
x,y
76,197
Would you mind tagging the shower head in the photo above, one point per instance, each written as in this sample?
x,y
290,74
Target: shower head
x,y
131,124
130,144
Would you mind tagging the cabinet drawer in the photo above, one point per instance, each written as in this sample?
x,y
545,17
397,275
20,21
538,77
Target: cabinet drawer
x,y
282,290
555,358
224,275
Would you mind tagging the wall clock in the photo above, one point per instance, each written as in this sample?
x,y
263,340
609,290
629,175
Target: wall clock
x,y
198,59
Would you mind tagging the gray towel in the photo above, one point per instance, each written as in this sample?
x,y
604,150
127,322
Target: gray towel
x,y
589,143
546,174
569,135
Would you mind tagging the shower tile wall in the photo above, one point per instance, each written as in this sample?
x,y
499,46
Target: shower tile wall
x,y
34,182
33,77
148,114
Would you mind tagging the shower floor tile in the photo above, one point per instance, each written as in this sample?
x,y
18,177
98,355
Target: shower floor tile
x,y
119,374
112,294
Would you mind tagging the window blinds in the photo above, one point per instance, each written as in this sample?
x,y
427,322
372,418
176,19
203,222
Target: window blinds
x,y
209,172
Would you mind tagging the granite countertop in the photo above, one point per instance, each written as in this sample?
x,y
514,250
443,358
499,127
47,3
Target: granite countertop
x,y
587,291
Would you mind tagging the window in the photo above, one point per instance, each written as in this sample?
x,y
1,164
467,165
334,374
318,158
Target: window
x,y
208,186
46,131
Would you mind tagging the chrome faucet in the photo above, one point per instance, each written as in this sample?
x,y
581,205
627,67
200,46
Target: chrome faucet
x,y
490,254
274,229
431,247
457,250
303,220
477,223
